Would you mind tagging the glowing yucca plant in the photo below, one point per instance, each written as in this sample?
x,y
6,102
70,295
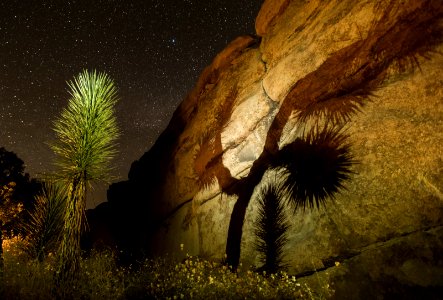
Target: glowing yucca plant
x,y
86,135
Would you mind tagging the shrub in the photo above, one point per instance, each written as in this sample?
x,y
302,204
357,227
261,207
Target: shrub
x,y
45,222
161,278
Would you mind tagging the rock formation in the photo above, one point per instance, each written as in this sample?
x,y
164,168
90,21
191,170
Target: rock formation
x,y
372,70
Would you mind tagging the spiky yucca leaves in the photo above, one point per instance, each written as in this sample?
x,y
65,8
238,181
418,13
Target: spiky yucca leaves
x,y
86,132
270,228
315,166
45,222
87,128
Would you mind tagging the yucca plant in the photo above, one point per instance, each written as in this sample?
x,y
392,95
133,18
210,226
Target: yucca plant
x,y
271,229
86,135
45,223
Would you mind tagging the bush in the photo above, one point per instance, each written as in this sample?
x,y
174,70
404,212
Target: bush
x,y
43,229
161,278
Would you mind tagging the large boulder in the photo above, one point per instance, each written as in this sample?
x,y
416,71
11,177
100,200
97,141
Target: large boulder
x,y
370,67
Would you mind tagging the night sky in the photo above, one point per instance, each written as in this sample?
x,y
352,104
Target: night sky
x,y
154,50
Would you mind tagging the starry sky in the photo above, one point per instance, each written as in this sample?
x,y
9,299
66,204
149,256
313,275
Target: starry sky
x,y
153,49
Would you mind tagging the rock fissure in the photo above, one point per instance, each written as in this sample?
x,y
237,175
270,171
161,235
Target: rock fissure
x,y
379,244
264,63
171,213
336,261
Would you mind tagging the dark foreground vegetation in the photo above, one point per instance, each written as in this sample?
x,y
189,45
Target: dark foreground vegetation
x,y
100,277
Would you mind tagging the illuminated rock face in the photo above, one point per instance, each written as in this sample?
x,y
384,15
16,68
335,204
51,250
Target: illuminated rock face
x,y
357,63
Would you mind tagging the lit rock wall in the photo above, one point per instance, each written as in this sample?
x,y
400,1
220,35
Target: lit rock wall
x,y
394,201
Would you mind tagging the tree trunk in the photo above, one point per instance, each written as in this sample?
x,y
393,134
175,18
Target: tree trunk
x,y
70,252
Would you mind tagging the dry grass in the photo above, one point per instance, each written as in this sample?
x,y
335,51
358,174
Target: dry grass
x,y
162,278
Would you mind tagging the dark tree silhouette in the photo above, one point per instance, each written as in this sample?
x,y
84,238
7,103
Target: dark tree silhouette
x,y
17,192
11,167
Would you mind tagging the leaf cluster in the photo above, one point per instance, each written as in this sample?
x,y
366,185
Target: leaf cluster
x,y
45,222
87,128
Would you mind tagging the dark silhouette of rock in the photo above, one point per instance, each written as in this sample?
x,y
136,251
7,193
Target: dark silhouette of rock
x,y
99,234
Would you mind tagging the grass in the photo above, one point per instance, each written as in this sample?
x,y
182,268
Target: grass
x,y
161,278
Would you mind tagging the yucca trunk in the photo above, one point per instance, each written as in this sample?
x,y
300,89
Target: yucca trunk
x,y
70,251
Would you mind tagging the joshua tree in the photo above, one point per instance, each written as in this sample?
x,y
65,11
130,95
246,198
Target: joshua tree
x,y
86,132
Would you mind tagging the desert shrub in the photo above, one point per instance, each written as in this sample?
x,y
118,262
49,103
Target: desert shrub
x,y
23,278
27,278
161,278
196,278
43,229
